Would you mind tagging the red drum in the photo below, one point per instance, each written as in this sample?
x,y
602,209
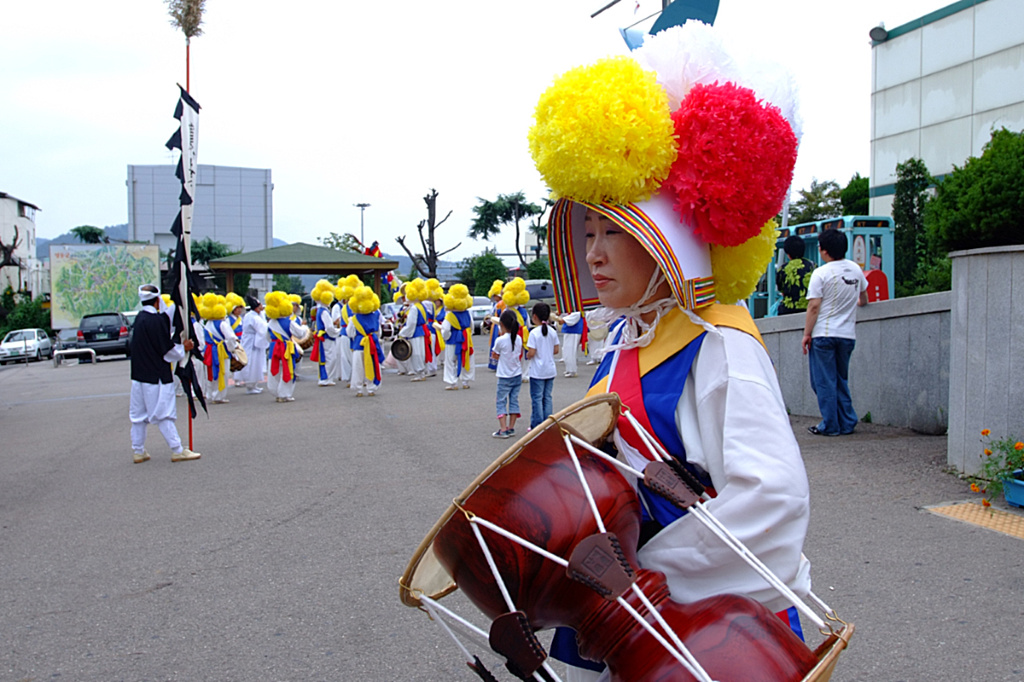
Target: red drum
x,y
534,492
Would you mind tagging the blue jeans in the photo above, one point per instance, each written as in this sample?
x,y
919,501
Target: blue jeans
x,y
540,399
829,362
508,395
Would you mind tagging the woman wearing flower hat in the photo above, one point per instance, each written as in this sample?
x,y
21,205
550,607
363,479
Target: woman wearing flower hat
x,y
669,173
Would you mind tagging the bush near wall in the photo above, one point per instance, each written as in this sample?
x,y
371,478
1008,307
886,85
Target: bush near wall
x,y
982,203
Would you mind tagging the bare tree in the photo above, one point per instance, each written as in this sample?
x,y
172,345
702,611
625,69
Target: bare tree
x,y
426,262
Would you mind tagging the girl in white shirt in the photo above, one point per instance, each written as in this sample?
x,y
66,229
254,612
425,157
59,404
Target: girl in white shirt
x,y
507,353
541,349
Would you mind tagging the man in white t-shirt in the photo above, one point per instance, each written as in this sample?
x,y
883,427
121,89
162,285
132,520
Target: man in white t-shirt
x,y
836,290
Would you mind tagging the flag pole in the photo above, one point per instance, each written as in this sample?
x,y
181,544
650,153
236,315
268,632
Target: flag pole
x,y
186,238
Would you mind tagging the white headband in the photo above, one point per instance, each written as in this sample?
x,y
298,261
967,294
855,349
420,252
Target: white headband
x,y
146,294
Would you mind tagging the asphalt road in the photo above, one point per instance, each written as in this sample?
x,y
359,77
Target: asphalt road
x,y
276,556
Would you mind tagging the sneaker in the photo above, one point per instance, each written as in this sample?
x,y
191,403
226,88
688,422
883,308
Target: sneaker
x,y
289,399
185,455
140,457
253,391
818,432
499,434
508,433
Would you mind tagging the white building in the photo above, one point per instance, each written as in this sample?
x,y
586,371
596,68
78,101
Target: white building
x,y
233,206
18,216
940,84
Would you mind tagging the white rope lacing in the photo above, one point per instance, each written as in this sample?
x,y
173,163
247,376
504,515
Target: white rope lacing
x,y
635,332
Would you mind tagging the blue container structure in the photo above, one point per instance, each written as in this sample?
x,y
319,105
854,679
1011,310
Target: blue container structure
x,y
871,245
1013,490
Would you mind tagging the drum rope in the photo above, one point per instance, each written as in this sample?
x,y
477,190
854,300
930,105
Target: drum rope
x,y
697,670
494,567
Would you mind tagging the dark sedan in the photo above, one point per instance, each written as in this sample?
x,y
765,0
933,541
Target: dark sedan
x,y
105,333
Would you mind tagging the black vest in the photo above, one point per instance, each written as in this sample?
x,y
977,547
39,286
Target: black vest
x,y
151,339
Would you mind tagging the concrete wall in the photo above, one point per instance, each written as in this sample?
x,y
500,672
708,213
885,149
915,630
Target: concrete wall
x,y
900,367
987,361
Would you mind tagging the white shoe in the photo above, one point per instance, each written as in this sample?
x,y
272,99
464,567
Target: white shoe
x,y
591,362
140,457
253,391
185,455
418,379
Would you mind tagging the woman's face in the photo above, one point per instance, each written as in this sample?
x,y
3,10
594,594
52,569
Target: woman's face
x,y
619,264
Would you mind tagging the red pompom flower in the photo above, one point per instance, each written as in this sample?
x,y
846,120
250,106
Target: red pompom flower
x,y
735,162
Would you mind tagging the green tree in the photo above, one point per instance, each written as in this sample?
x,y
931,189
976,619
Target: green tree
x,y
538,269
912,181
206,250
341,242
487,267
242,280
88,234
855,197
981,203
26,314
290,284
818,202
506,209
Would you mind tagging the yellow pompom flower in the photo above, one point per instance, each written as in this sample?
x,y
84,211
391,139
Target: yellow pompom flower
x,y
604,132
737,269
495,289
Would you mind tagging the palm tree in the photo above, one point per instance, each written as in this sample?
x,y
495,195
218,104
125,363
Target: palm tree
x,y
507,208
87,234
188,16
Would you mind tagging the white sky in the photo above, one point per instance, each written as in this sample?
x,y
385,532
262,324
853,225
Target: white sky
x,y
366,101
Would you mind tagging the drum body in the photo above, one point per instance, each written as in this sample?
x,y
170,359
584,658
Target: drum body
x,y
538,496
401,349
306,342
239,359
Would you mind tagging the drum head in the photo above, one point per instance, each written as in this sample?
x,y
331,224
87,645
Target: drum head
x,y
401,349
239,359
591,419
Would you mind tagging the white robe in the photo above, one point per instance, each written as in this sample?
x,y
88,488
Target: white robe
x,y
595,347
276,383
571,344
155,404
417,363
452,361
255,342
220,329
331,344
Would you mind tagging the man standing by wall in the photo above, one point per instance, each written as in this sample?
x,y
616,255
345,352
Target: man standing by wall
x,y
836,289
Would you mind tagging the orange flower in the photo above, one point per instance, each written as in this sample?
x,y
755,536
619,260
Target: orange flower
x,y
975,488
988,453
985,432
986,503
1018,446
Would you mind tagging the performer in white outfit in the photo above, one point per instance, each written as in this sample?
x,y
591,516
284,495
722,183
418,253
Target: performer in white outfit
x,y
346,287
236,313
363,332
325,342
434,305
151,401
283,351
255,343
416,328
457,332
572,335
220,344
598,332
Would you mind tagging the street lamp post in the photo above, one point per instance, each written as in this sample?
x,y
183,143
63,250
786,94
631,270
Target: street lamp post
x,y
362,209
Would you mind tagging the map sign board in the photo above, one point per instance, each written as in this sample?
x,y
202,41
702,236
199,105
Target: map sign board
x,y
98,278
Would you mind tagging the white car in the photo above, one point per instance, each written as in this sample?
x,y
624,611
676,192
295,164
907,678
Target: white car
x,y
23,344
479,312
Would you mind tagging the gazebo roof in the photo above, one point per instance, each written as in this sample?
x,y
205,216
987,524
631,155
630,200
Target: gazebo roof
x,y
302,258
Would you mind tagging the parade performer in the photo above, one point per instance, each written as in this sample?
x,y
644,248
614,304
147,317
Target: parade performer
x,y
457,332
417,330
283,350
325,333
236,311
255,342
346,287
667,227
364,332
400,320
574,337
597,328
434,305
151,401
491,323
220,344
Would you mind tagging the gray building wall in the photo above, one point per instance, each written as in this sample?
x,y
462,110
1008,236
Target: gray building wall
x,y
899,371
940,84
233,206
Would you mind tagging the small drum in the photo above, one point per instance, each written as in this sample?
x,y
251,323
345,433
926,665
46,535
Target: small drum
x,y
239,359
306,342
401,349
598,333
585,574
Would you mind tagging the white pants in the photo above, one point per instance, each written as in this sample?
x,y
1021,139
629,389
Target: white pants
x,y
360,382
345,361
570,346
417,363
595,349
334,351
451,366
279,387
153,404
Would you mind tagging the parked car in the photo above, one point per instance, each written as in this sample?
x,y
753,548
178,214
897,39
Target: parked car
x,y
481,308
105,333
541,291
23,344
130,316
67,339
